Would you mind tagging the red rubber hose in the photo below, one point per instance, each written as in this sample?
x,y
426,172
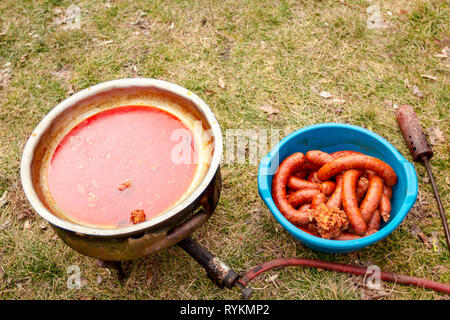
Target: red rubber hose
x,y
339,267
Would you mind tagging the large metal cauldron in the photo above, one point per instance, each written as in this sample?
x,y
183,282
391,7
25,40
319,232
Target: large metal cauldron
x,y
138,240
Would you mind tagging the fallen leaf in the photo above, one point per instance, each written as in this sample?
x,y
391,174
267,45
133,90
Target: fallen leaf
x,y
71,89
325,94
5,224
426,76
353,255
222,83
442,42
63,74
401,11
209,92
375,20
23,57
323,80
4,199
417,92
269,109
5,74
272,278
149,276
336,101
407,85
369,294
84,282
439,269
439,134
27,225
69,19
104,43
436,135
389,103
415,230
373,9
443,54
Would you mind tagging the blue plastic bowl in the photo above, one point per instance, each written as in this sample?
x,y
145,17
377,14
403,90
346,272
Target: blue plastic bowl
x,y
331,137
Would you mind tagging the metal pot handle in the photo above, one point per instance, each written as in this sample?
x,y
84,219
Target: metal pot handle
x,y
182,231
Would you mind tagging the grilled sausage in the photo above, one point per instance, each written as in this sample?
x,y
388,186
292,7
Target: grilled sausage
x,y
318,199
302,174
374,222
349,203
342,153
361,188
312,177
372,198
291,164
358,161
328,187
295,183
335,200
385,204
318,157
347,236
302,196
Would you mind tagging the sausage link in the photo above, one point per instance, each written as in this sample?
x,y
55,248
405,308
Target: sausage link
x,y
349,203
302,174
310,228
342,153
304,207
361,188
374,222
279,181
318,157
328,187
309,166
296,184
312,177
302,196
318,199
347,236
385,207
388,192
385,203
358,161
335,200
373,196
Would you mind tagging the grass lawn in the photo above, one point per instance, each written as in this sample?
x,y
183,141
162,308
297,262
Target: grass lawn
x,y
242,58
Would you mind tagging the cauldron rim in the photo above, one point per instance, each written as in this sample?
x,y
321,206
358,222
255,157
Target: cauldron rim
x,y
34,139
